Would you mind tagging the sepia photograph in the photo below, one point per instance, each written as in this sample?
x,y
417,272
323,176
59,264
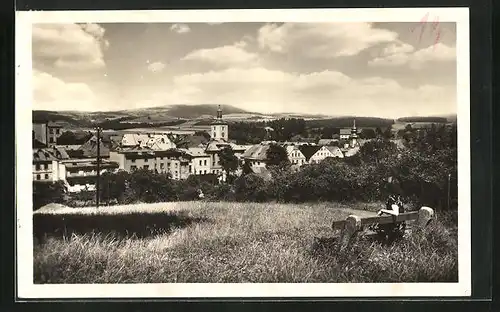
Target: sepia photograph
x,y
243,153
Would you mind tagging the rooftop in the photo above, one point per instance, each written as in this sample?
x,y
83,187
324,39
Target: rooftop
x,y
256,152
309,150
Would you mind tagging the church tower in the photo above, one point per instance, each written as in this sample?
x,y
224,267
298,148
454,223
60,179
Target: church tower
x,y
354,134
219,129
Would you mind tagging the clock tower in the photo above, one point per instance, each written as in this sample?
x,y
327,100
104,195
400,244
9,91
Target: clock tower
x,y
219,129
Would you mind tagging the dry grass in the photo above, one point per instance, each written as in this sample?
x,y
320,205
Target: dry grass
x,y
243,243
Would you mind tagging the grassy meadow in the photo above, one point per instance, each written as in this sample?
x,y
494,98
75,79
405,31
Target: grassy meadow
x,y
229,243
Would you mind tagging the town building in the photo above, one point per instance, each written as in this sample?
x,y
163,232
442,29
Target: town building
x,y
89,150
351,135
155,141
81,174
200,161
295,156
47,132
133,158
345,134
54,164
323,142
219,128
256,155
324,152
173,161
46,164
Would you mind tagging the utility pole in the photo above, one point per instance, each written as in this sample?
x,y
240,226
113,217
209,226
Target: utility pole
x,y
98,166
449,190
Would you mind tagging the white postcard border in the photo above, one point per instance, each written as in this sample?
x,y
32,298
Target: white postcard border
x,y
27,289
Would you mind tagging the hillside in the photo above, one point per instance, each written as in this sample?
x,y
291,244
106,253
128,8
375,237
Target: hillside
x,y
435,119
202,114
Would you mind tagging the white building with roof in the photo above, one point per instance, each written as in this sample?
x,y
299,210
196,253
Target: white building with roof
x,y
324,152
200,161
155,141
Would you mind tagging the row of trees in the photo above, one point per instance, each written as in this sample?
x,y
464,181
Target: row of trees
x,y
294,129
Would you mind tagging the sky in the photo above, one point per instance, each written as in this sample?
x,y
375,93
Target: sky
x,y
369,69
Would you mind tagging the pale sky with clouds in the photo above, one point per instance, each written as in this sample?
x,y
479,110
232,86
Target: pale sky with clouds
x,y
370,69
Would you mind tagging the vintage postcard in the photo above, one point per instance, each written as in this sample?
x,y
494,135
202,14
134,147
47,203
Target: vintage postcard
x,y
243,153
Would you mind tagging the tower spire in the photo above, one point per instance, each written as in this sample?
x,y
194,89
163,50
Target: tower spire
x,y
219,112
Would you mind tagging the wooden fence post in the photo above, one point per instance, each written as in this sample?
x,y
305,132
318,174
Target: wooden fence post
x,y
425,215
352,225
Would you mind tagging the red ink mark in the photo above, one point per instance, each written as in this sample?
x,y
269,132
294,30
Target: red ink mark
x,y
435,28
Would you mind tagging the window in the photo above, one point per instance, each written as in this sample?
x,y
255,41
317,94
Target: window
x,y
38,177
51,140
46,176
200,162
223,134
133,168
146,167
190,168
205,162
145,160
51,131
213,135
176,165
37,167
133,160
162,165
204,172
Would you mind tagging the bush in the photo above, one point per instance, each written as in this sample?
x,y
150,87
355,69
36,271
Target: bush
x,y
46,192
251,187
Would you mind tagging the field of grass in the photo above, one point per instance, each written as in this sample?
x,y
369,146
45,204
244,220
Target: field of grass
x,y
228,242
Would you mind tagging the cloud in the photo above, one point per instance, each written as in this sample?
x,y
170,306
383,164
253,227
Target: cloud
x,y
51,93
329,92
229,55
405,54
71,46
322,40
156,67
180,28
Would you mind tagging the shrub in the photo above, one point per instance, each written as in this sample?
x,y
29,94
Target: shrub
x,y
47,192
251,187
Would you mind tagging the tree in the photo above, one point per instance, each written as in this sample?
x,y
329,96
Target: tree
x,y
114,185
45,193
150,187
277,157
368,134
228,160
247,168
251,187
375,151
67,138
388,133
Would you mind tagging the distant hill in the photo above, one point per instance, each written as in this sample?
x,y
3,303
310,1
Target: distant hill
x,y
346,122
436,119
201,114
